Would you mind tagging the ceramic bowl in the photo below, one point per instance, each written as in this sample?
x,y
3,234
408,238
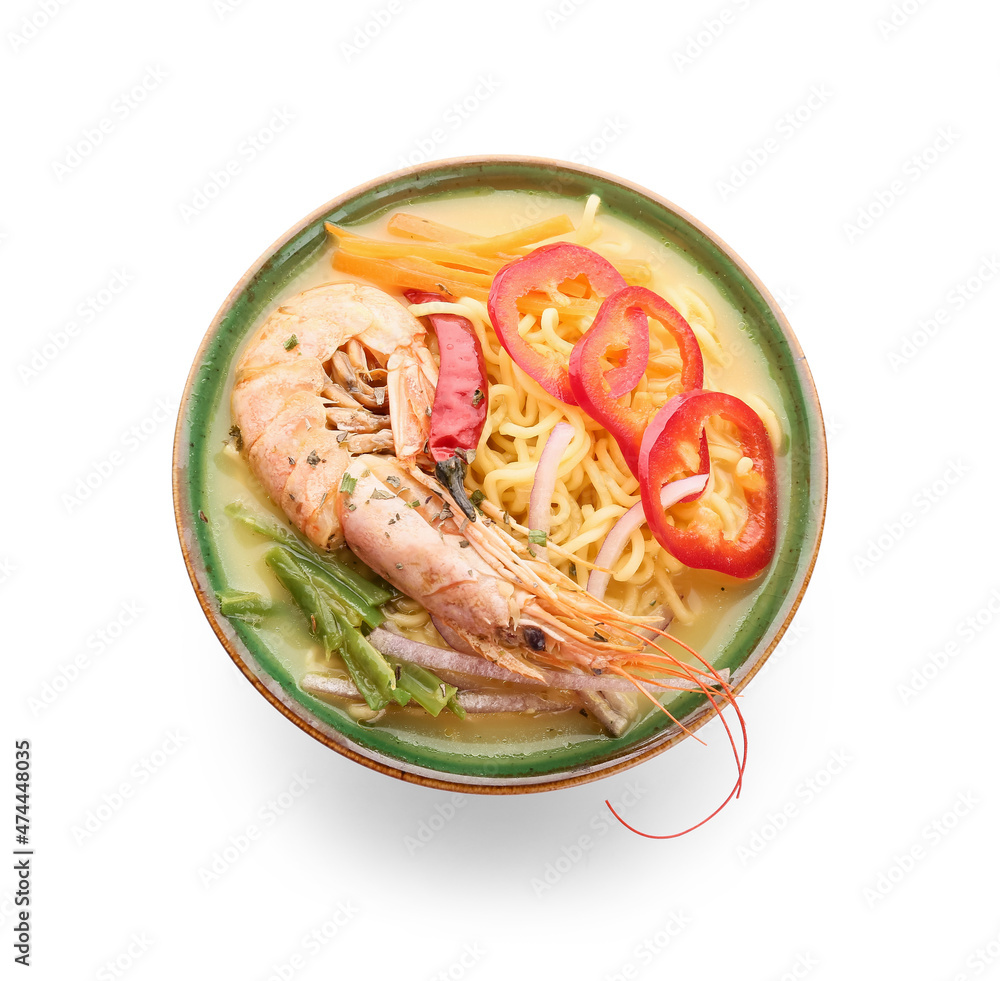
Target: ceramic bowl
x,y
457,765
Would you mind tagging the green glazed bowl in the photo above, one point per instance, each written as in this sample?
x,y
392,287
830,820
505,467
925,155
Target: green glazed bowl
x,y
457,766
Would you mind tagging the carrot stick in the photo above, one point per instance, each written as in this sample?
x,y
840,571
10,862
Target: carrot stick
x,y
436,252
413,226
392,274
396,275
558,225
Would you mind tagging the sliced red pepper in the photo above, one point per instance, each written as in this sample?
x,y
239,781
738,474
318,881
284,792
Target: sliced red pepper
x,y
616,334
544,270
680,425
461,401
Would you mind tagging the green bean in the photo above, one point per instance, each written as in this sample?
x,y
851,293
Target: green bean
x,y
343,598
261,523
335,611
427,689
368,669
296,580
240,605
369,592
370,672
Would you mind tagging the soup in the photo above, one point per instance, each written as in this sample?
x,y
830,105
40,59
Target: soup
x,y
593,489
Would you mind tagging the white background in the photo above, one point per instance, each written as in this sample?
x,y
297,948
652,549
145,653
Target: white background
x,y
881,866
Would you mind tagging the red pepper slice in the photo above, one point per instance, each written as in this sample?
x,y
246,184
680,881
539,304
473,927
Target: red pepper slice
x,y
461,401
616,333
701,544
544,270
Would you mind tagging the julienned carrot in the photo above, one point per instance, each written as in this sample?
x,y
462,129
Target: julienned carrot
x,y
393,274
434,251
413,226
558,225
414,273
402,274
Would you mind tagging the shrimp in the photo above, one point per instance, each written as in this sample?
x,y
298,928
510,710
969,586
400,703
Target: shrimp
x,y
305,411
333,398
475,578
512,608
338,369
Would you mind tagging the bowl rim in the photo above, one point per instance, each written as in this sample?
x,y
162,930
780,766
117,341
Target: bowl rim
x,y
425,776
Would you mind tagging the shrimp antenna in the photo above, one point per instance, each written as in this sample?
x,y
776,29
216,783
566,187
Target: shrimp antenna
x,y
729,697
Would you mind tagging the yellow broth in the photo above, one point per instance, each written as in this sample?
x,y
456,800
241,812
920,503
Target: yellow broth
x,y
719,602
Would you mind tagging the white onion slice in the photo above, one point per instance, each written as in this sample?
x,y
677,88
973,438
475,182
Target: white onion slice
x,y
633,518
544,486
471,701
486,702
444,659
427,656
324,684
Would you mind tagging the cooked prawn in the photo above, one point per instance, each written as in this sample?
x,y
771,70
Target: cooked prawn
x,y
476,579
336,370
333,397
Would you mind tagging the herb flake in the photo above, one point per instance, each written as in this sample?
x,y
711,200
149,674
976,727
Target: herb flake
x,y
291,342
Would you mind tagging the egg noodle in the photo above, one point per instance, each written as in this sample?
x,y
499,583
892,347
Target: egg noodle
x,y
594,486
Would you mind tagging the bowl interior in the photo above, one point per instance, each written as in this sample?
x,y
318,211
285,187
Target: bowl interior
x,y
457,764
